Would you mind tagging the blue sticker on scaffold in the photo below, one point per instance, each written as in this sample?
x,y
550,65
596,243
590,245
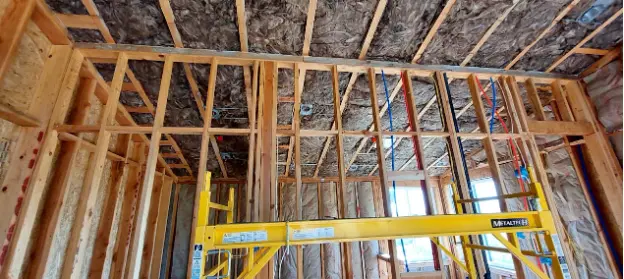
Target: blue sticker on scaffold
x,y
197,264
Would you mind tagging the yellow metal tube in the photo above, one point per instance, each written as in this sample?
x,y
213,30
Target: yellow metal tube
x,y
518,254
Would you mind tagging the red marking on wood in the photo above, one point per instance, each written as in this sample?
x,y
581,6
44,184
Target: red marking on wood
x,y
25,184
5,249
35,151
31,164
40,136
18,206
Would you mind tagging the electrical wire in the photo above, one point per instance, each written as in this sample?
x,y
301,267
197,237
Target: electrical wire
x,y
509,140
396,206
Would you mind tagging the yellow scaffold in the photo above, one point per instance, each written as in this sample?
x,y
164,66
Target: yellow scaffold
x,y
267,238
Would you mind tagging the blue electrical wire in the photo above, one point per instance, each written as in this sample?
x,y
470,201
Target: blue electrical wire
x,y
396,206
493,105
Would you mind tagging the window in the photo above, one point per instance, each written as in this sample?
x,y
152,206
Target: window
x,y
410,202
485,188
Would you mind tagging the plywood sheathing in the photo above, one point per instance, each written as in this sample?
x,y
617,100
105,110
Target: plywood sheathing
x,y
564,36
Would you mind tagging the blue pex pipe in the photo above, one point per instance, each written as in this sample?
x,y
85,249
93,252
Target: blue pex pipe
x,y
594,202
492,117
396,206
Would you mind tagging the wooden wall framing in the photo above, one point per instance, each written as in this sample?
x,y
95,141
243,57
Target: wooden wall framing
x,y
143,202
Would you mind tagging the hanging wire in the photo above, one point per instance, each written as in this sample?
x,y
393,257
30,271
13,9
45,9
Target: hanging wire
x,y
396,206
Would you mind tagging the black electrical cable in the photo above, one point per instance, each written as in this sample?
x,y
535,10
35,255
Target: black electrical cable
x,y
463,157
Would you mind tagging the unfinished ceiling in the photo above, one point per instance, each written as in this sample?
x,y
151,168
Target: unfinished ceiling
x,y
339,30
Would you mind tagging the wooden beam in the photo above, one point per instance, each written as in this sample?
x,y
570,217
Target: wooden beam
x,y
150,170
147,248
117,183
567,128
297,159
385,196
585,40
16,117
489,33
535,100
49,24
606,59
433,30
57,192
555,21
591,51
185,55
54,91
252,145
381,7
203,153
13,22
343,191
138,109
132,192
172,230
93,11
309,27
161,228
78,244
215,148
79,21
492,160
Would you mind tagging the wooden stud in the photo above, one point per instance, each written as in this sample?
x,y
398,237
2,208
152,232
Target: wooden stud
x,y
57,192
49,24
150,169
172,230
132,192
297,159
606,59
385,196
585,40
309,27
591,51
57,82
117,182
433,30
161,228
78,244
203,155
14,20
534,98
562,102
17,117
79,21
147,248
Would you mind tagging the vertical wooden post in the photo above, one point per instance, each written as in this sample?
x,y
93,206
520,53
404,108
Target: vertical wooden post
x,y
14,20
57,193
203,154
297,138
117,181
150,170
342,187
383,179
174,214
58,74
127,222
148,247
412,113
249,212
269,159
456,162
77,248
490,152
516,107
